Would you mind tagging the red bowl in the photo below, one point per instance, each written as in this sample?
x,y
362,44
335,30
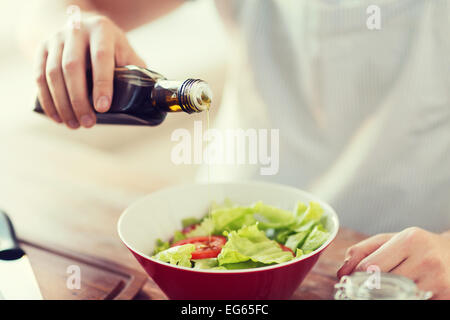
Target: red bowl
x,y
159,215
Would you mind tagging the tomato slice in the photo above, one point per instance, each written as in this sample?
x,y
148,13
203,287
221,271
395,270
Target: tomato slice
x,y
205,247
284,248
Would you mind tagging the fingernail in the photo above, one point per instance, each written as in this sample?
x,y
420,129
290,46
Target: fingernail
x,y
73,124
87,121
102,104
56,118
343,265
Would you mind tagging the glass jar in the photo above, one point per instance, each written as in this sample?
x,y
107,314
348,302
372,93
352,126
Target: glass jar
x,y
378,286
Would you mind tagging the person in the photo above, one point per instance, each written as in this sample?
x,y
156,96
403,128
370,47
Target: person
x,y
364,113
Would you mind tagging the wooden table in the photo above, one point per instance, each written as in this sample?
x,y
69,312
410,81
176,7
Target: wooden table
x,y
65,199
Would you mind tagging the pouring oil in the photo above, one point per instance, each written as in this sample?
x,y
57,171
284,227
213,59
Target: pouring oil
x,y
144,97
209,172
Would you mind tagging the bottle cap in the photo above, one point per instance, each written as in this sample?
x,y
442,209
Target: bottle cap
x,y
195,95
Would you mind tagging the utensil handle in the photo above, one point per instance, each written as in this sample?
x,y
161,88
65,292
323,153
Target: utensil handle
x,y
9,246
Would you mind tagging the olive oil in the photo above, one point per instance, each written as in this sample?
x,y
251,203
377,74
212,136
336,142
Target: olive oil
x,y
144,97
209,171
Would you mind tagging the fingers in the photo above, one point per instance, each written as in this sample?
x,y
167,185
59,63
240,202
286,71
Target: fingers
x,y
426,272
361,250
407,268
57,87
124,55
102,59
388,256
74,71
43,94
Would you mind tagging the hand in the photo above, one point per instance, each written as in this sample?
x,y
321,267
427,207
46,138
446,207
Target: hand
x,y
415,253
61,69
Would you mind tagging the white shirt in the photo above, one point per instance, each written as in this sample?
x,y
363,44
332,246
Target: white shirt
x,y
363,115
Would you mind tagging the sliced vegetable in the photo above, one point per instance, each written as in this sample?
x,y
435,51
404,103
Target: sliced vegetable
x,y
283,235
161,246
271,217
256,236
312,213
205,247
250,243
297,239
284,248
315,239
177,236
205,228
189,222
231,218
206,263
300,209
243,265
179,255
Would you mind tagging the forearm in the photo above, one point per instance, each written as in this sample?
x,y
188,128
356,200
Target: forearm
x,y
47,17
130,14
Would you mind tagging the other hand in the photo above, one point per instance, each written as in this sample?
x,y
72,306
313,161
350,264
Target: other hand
x,y
415,253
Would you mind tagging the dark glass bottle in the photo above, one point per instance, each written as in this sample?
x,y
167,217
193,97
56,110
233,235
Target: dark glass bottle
x,y
144,97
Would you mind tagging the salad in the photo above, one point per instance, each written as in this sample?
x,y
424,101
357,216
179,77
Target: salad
x,y
240,237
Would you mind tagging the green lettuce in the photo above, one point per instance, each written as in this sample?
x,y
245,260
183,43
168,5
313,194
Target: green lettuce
x,y
161,246
210,264
315,239
177,236
206,263
205,228
250,243
228,219
227,203
272,217
254,234
300,208
312,213
243,265
178,255
297,239
189,222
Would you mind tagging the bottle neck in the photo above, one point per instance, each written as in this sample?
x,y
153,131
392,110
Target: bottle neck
x,y
191,95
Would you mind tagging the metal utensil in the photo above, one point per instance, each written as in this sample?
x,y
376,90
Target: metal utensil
x,y
17,280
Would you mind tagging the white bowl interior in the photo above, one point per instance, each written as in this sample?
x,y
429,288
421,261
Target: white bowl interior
x,y
159,214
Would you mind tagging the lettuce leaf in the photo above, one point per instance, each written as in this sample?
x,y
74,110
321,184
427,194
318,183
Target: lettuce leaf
x,y
250,243
189,222
178,255
243,265
297,239
312,213
315,239
205,228
300,209
283,235
177,236
227,203
206,263
228,219
272,217
161,246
